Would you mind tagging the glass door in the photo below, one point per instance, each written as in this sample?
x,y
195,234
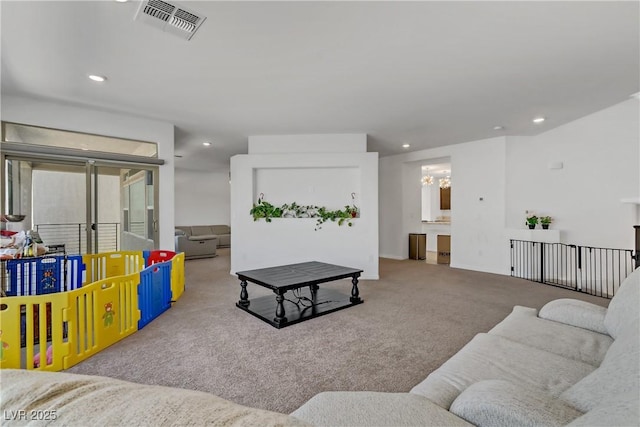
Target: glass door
x,y
82,206
124,201
50,196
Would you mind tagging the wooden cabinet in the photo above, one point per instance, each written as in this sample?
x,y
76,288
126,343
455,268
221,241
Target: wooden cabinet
x,y
444,249
417,246
445,199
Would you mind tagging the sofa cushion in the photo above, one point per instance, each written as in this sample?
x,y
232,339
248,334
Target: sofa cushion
x,y
524,326
201,230
501,403
363,408
488,357
624,305
93,400
577,313
618,373
622,411
220,229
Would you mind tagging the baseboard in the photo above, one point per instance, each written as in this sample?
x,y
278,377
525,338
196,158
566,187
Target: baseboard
x,y
392,257
187,258
478,268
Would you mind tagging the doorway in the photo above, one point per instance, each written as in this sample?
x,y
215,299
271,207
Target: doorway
x,y
436,209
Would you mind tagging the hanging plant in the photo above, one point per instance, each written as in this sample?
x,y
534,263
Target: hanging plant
x,y
343,216
266,210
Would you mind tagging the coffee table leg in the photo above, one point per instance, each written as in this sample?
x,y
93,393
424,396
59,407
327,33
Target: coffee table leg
x,y
355,294
244,295
280,318
314,292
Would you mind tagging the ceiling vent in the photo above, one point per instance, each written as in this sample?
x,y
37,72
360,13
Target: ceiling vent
x,y
170,18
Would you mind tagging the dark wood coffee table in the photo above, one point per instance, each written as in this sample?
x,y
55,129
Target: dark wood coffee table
x,y
302,280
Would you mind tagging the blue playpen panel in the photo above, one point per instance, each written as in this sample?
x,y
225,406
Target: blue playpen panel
x,y
154,292
43,275
34,276
74,272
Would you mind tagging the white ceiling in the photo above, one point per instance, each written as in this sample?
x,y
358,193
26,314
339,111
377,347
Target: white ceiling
x,y
424,73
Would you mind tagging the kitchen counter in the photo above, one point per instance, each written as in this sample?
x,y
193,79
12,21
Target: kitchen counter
x,y
432,229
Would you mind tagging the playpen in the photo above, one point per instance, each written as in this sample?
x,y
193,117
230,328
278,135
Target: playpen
x,y
60,310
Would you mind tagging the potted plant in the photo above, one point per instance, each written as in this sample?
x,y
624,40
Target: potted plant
x,y
265,210
532,220
545,221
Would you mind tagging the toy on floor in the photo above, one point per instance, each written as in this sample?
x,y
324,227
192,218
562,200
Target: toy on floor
x,y
36,358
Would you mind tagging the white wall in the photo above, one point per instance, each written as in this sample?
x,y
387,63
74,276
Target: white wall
x,y
84,119
600,154
601,157
427,202
306,178
202,197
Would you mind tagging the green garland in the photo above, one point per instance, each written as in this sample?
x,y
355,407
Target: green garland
x,y
264,209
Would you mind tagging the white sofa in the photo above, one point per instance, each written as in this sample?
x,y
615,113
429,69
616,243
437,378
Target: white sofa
x,y
83,400
573,363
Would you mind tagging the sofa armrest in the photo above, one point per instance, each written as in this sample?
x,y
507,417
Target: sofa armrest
x,y
575,313
501,403
203,237
366,408
72,399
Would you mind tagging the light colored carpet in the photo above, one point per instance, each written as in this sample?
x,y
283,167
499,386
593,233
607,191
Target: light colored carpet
x,y
413,319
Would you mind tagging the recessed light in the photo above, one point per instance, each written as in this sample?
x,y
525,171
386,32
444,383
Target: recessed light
x,y
122,1
406,145
97,78
538,120
636,95
498,127
206,144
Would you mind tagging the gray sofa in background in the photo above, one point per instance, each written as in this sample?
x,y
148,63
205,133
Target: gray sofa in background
x,y
224,235
197,241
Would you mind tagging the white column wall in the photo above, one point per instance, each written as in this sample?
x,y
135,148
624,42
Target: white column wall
x,y
84,119
202,197
284,241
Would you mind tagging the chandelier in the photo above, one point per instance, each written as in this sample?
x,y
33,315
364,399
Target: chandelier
x,y
427,179
445,182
